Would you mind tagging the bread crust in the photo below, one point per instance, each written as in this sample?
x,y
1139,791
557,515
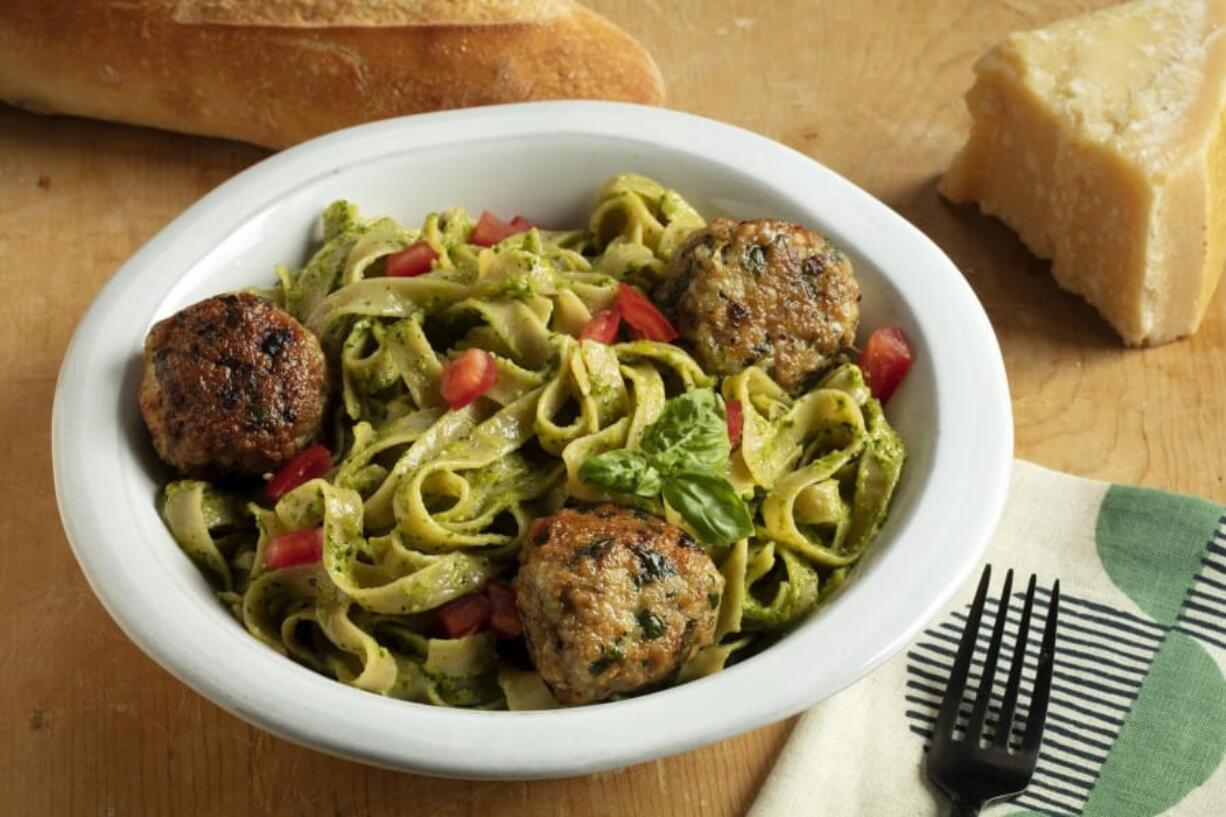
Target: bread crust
x,y
276,73
358,13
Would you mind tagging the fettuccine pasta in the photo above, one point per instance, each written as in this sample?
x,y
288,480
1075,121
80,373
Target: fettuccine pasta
x,y
425,504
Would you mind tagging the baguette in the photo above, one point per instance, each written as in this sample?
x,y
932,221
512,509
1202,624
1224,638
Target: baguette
x,y
277,72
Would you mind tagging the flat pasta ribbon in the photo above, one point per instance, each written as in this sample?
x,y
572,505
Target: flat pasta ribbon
x,y
426,504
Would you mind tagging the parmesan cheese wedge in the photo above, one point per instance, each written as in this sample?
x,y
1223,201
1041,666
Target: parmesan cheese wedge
x,y
1101,140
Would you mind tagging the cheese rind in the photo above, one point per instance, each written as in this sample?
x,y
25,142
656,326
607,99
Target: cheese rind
x,y
1101,141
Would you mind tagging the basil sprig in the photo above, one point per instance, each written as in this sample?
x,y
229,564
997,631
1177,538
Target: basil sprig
x,y
624,471
684,455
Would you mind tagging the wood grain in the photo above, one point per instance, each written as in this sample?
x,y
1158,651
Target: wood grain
x,y
88,725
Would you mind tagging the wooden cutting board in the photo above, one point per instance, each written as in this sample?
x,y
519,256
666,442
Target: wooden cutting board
x,y
872,89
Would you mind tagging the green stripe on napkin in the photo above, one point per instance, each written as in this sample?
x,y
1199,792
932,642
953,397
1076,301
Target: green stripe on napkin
x,y
1137,724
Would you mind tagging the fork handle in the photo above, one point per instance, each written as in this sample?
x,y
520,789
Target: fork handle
x,y
958,809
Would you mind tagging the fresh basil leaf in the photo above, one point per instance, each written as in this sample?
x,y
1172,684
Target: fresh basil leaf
x,y
624,471
709,503
691,431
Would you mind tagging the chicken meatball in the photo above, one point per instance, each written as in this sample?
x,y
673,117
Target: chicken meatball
x,y
232,385
613,600
761,293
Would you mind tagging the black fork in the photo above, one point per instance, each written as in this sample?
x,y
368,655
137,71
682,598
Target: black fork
x,y
972,771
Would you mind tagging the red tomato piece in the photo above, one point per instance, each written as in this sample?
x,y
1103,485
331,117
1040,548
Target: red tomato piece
x,y
643,316
490,229
603,326
885,360
467,377
411,261
504,615
299,547
736,421
313,462
465,615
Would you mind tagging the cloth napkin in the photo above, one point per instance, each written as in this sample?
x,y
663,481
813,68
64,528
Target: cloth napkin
x,y
1137,724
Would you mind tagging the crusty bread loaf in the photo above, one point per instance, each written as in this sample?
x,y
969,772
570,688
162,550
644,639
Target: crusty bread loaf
x,y
276,72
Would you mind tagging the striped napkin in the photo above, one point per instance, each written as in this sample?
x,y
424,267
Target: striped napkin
x,y
1137,724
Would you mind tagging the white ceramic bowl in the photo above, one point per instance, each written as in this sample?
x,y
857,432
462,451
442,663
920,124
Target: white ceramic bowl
x,y
545,160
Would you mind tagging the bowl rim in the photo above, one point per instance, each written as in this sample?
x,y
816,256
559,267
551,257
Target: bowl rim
x,y
300,706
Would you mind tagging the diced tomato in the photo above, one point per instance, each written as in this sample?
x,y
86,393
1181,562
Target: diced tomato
x,y
643,316
467,377
411,261
313,462
885,360
603,326
736,421
504,615
465,615
300,547
490,229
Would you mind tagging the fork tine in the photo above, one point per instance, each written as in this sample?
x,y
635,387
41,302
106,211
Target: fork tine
x,y
1008,707
974,729
948,716
1042,682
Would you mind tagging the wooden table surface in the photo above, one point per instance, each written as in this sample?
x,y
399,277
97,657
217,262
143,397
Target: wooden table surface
x,y
89,725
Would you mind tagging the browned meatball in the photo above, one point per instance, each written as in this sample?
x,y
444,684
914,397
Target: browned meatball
x,y
761,293
233,385
613,600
